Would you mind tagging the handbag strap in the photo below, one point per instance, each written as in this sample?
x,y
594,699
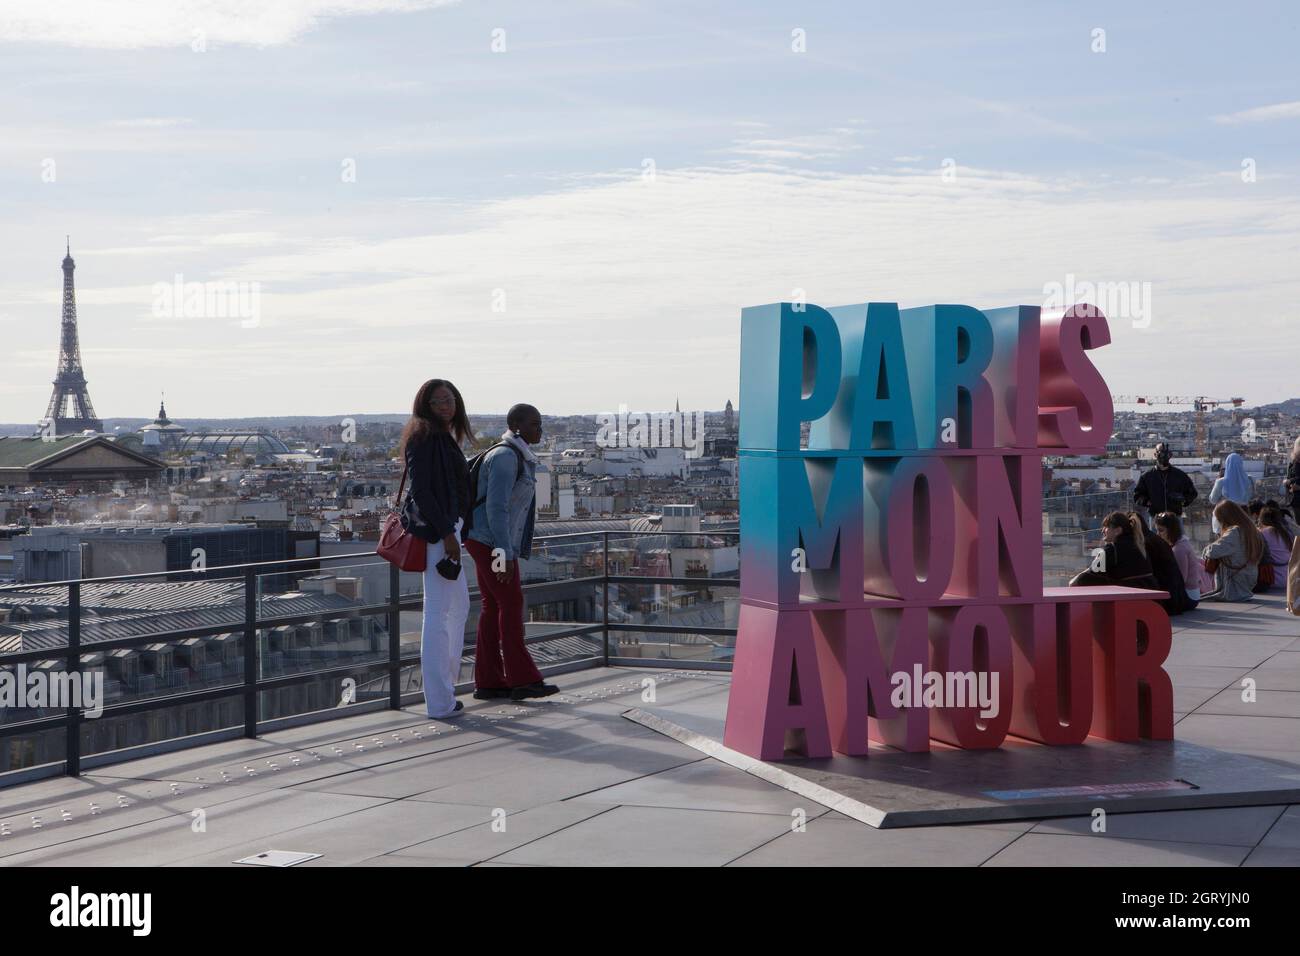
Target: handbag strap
x,y
400,488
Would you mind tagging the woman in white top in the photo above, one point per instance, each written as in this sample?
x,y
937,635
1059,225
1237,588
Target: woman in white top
x,y
1235,485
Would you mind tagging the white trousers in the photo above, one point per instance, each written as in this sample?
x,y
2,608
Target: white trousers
x,y
442,636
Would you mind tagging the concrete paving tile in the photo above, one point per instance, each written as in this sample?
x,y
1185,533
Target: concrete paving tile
x,y
497,835
851,843
260,815
652,836
1232,826
1273,856
392,859
1225,650
706,785
1285,833
1239,734
1267,703
1204,675
1189,699
1044,849
116,807
556,770
349,839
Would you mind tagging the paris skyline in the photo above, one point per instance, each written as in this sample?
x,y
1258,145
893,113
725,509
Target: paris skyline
x,y
582,230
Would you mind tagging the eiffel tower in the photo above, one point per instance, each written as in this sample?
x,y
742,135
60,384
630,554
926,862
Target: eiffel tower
x,y
70,411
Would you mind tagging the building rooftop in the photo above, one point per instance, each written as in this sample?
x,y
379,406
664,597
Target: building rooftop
x,y
569,780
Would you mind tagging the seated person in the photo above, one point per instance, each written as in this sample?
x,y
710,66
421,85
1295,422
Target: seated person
x,y
1124,560
1164,566
1277,540
1170,528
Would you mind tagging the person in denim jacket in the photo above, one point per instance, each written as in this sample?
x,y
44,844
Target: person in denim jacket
x,y
501,533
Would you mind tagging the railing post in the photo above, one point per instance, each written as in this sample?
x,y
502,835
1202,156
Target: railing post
x,y
72,762
250,653
394,638
604,598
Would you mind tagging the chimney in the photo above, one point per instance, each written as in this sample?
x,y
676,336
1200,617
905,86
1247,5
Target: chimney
x,y
319,584
350,588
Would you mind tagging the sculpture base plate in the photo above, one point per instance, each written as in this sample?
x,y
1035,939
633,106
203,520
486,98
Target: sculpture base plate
x,y
1021,780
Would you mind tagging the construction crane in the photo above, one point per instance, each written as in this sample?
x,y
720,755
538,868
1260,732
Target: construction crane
x,y
1199,405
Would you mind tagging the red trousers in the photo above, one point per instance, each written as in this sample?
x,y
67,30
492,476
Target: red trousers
x,y
501,659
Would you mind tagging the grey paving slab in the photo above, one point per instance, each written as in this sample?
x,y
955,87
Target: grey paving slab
x,y
1285,833
353,837
261,815
1232,826
497,835
1225,650
393,859
103,810
1204,675
528,784
652,836
520,767
1273,856
340,757
1188,699
705,785
846,842
1267,703
1044,849
1241,734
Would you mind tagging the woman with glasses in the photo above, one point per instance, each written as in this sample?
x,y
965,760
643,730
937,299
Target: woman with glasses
x,y
435,508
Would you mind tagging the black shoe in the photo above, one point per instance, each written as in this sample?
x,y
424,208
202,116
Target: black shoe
x,y
540,689
455,712
491,693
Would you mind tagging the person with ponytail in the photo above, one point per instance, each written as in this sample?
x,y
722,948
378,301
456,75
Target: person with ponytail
x,y
1165,567
1233,558
1123,560
435,508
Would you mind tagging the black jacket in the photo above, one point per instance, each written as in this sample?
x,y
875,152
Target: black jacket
x,y
1164,566
437,487
1292,486
1169,490
1127,566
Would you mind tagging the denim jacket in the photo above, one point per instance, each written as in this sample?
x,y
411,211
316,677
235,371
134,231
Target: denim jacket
x,y
505,519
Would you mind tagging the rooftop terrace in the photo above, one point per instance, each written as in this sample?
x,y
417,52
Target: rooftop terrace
x,y
569,780
262,745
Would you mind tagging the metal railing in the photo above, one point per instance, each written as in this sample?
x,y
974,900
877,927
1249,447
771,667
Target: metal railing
x,y
254,682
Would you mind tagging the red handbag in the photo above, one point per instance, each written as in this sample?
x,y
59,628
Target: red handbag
x,y
399,546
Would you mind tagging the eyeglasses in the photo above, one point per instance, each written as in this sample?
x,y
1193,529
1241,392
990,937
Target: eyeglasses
x,y
442,401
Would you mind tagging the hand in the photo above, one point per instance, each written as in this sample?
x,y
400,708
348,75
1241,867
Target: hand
x,y
508,575
452,545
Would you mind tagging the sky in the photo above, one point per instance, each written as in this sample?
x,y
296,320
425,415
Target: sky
x,y
569,204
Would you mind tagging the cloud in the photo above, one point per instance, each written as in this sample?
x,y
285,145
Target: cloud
x,y
1262,114
625,290
173,23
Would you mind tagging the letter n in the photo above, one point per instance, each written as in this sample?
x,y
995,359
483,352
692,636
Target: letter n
x,y
775,704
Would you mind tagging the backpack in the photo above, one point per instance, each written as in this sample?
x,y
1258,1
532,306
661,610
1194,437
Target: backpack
x,y
476,466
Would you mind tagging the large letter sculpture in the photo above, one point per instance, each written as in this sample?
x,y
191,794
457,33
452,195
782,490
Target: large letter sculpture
x,y
904,537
